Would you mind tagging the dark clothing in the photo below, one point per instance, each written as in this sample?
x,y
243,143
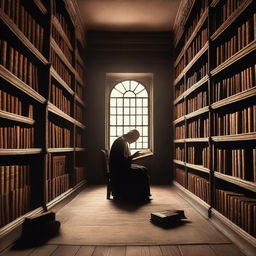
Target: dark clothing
x,y
128,180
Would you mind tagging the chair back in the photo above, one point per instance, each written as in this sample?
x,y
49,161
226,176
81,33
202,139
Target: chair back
x,y
105,161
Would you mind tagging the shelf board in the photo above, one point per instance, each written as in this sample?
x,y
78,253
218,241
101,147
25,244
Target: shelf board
x,y
179,57
53,109
22,38
235,98
79,59
15,117
197,167
81,102
197,28
196,85
59,150
236,137
197,112
179,120
179,141
58,26
250,48
15,81
61,55
180,76
79,78
40,6
214,3
191,140
79,124
237,181
178,99
179,162
231,19
80,149
61,81
23,151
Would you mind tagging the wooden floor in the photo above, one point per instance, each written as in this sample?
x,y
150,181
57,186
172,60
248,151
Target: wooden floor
x,y
94,226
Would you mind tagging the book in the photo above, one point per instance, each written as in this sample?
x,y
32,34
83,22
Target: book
x,y
167,217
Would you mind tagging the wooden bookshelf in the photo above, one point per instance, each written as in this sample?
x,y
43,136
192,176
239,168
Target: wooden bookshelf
x,y
240,97
32,84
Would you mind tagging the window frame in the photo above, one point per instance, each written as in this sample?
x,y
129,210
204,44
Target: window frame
x,y
145,79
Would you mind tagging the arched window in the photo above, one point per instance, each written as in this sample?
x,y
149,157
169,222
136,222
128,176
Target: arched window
x,y
129,108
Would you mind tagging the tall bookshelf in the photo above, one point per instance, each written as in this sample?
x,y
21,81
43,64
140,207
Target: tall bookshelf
x,y
215,110
42,106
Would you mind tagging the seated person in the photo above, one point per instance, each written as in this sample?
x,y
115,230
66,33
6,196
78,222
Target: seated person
x,y
129,181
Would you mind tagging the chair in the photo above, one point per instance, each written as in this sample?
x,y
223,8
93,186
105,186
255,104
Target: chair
x,y
105,163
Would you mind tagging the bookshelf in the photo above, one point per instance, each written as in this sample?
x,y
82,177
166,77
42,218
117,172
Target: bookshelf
x,y
42,106
215,111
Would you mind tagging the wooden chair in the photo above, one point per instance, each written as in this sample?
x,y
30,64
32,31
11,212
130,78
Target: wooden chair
x,y
105,163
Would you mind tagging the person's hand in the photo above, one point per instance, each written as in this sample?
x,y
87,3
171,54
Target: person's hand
x,y
136,154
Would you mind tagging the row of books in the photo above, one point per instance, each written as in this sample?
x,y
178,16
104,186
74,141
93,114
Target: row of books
x,y
14,204
197,75
240,163
180,176
80,91
224,11
56,166
59,98
58,137
180,153
198,155
56,186
179,89
179,110
198,128
79,113
13,177
80,70
180,66
62,18
180,132
200,100
241,121
18,64
61,68
199,186
25,21
196,17
79,140
13,104
234,84
197,44
239,208
62,44
16,137
79,174
243,35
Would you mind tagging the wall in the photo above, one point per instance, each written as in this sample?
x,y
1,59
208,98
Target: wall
x,y
129,52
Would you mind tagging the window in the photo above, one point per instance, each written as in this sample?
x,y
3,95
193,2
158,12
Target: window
x,y
129,109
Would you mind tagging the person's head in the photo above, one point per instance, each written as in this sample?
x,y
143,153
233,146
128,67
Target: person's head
x,y
131,136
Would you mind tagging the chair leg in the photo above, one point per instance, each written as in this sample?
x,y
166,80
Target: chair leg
x,y
108,191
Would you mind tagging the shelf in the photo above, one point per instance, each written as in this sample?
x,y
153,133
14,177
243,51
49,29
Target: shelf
x,y
197,167
191,140
40,6
179,162
59,150
196,85
235,98
79,100
250,48
231,19
80,149
179,57
197,28
197,112
17,118
179,141
61,81
79,124
79,59
177,80
236,137
58,26
237,181
78,78
53,109
15,81
214,3
179,120
22,38
178,99
23,151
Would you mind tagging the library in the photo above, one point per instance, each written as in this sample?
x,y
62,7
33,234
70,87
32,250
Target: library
x,y
171,84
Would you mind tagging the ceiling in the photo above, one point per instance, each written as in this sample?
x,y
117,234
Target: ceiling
x,y
129,15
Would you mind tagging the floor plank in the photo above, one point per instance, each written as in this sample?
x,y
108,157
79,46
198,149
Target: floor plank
x,y
101,251
117,251
66,250
143,251
226,249
170,250
45,250
85,251
13,252
196,250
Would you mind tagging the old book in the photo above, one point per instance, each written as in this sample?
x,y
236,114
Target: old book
x,y
167,217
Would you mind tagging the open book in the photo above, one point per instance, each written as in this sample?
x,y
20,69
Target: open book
x,y
144,153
